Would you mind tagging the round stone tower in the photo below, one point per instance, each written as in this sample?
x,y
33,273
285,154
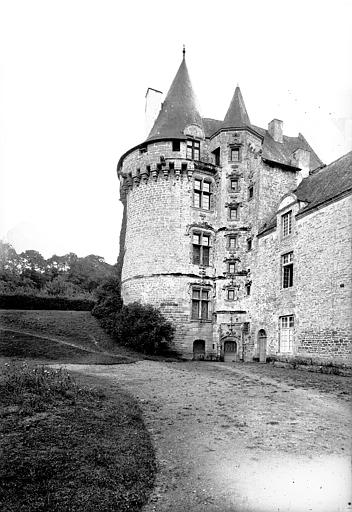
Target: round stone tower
x,y
189,214
160,181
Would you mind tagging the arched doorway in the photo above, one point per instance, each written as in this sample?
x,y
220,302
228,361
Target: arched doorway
x,y
230,350
262,345
198,349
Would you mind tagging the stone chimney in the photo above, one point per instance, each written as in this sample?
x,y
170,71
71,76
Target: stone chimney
x,y
153,99
301,159
275,130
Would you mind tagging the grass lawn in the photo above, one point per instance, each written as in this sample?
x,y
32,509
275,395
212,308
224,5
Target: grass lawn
x,y
78,327
26,346
70,448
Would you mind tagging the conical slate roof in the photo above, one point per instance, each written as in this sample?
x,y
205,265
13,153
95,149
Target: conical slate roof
x,y
179,108
236,116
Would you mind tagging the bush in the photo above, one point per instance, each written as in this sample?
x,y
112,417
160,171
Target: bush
x,y
143,328
37,302
140,327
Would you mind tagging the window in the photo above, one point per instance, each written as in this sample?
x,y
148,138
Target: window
x,y
235,154
201,194
286,223
176,145
216,154
233,212
249,244
286,333
234,185
232,242
231,294
201,247
200,304
193,149
248,288
250,192
231,268
287,270
143,150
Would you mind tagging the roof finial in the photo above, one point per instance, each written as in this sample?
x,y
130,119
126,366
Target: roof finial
x,y
184,51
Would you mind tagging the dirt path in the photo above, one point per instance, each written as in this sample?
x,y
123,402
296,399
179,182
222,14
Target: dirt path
x,y
242,438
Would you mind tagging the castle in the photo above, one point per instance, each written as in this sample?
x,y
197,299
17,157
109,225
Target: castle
x,y
239,234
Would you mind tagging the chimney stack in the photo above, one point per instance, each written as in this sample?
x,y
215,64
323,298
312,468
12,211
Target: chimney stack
x,y
153,99
275,130
301,159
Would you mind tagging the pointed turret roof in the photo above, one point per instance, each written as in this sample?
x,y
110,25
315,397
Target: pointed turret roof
x,y
179,108
236,115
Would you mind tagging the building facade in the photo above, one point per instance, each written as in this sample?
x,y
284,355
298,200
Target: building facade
x,y
239,234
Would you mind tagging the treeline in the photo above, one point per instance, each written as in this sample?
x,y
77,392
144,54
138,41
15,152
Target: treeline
x,y
70,276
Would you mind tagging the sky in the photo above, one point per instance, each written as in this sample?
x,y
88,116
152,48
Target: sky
x,y
73,78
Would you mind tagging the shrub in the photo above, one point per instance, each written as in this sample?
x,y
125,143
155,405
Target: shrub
x,y
142,328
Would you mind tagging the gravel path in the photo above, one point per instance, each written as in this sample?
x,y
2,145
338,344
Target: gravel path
x,y
242,438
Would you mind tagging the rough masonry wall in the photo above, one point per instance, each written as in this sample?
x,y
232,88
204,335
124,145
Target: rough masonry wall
x,y
273,184
324,282
173,296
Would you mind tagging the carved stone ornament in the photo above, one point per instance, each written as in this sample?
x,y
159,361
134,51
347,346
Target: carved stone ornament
x,y
193,130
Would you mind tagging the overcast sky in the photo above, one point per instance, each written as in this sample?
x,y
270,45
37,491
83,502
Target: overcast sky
x,y
73,77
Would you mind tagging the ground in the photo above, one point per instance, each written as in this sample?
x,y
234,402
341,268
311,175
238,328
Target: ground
x,y
242,437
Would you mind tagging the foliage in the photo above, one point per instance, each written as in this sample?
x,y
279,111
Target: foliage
x,y
142,328
58,454
67,276
37,302
108,302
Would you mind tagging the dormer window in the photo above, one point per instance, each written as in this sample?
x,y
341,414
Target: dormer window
x,y
286,223
193,149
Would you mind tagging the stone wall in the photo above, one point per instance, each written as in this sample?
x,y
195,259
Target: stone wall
x,y
172,294
321,296
324,281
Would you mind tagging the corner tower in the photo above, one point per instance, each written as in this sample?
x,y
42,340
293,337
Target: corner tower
x,y
168,187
